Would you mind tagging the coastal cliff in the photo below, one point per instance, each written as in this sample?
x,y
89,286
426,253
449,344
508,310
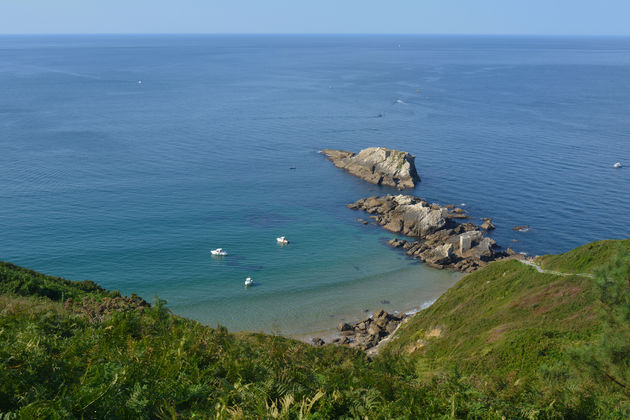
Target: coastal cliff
x,y
378,165
442,242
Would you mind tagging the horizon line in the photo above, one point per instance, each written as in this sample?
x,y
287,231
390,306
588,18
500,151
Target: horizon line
x,y
316,34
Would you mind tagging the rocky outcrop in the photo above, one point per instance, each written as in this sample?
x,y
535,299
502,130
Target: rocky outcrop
x,y
317,341
378,165
443,241
404,214
368,332
487,224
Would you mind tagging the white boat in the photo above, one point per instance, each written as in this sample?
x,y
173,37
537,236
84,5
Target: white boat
x,y
617,165
219,251
282,240
249,281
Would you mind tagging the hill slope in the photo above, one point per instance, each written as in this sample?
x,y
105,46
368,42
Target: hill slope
x,y
505,341
512,331
586,258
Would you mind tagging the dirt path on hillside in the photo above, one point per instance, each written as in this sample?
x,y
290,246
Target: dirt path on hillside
x,y
557,273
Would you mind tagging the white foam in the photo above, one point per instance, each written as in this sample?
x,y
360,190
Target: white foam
x,y
424,306
427,303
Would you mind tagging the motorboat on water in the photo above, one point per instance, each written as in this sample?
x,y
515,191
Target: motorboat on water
x,y
617,165
219,252
282,240
248,281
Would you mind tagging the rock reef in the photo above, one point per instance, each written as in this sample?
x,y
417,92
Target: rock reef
x,y
442,241
378,165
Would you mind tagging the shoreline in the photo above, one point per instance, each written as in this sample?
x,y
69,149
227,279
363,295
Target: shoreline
x,y
328,335
388,280
440,237
332,335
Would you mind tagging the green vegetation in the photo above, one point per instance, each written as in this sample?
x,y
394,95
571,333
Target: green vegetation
x,y
505,342
607,359
24,282
586,258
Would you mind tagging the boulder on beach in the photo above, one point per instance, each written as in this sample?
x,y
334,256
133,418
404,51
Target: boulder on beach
x,y
317,341
344,326
369,332
378,165
365,342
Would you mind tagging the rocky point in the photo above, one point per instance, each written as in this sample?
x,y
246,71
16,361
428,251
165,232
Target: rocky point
x,y
442,238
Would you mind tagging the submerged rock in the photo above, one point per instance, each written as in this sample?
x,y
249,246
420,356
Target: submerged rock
x,y
378,165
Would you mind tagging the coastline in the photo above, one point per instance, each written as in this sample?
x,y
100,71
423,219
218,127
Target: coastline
x,y
399,284
442,240
331,333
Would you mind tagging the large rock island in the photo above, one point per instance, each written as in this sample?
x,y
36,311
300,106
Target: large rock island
x,y
441,240
378,165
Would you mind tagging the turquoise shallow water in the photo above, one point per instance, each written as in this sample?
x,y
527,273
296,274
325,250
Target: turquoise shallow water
x,y
132,184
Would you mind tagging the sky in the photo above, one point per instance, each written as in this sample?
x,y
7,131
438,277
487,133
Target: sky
x,y
513,17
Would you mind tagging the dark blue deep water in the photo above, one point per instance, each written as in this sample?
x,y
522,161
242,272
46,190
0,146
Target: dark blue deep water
x,y
131,184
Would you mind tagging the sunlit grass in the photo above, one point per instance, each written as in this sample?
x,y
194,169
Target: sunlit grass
x,y
505,341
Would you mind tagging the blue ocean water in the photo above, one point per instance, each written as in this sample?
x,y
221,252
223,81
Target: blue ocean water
x,y
131,184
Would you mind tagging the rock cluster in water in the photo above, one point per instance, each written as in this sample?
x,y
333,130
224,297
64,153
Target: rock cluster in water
x,y
367,333
443,237
378,165
442,241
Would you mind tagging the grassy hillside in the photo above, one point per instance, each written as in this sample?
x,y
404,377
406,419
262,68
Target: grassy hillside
x,y
24,282
514,332
504,342
497,319
95,355
586,258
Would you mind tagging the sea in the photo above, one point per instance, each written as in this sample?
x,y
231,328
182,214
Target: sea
x,y
124,159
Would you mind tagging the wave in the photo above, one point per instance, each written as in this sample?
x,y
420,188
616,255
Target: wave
x,y
422,307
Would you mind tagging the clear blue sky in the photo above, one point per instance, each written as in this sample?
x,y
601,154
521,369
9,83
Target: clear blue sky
x,y
552,17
